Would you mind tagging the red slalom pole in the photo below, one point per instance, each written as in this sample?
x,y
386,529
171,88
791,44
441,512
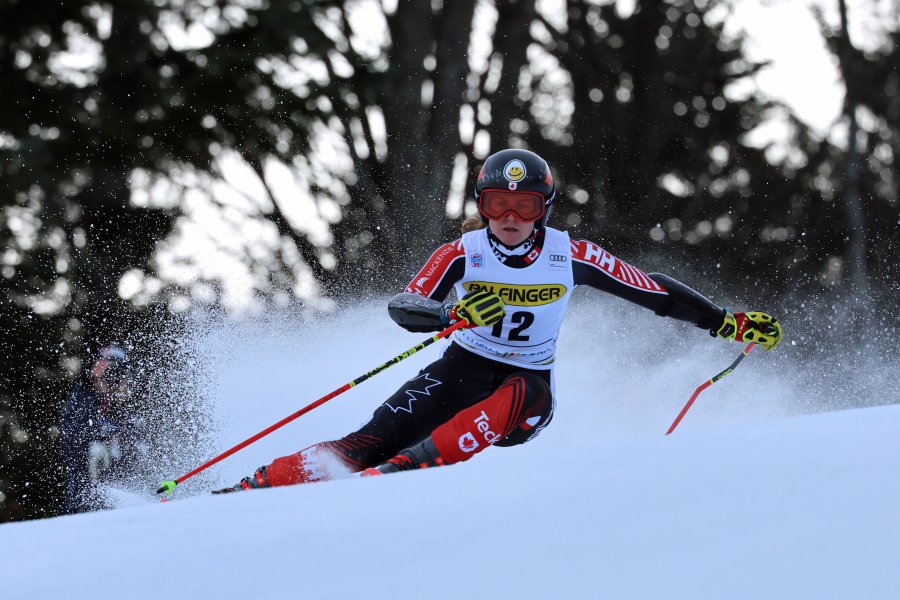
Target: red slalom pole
x,y
169,485
708,383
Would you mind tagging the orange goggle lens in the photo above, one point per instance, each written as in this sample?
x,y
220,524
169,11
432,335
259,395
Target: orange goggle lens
x,y
525,206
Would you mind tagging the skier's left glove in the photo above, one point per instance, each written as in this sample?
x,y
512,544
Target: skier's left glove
x,y
754,326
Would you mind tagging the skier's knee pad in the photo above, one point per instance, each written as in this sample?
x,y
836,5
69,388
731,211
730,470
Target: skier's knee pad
x,y
537,397
535,413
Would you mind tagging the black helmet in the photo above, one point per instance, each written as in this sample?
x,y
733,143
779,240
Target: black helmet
x,y
519,170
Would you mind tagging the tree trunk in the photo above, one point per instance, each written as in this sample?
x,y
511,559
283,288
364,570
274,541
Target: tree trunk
x,y
511,40
423,137
853,209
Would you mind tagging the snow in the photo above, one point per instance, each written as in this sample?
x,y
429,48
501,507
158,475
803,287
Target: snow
x,y
752,496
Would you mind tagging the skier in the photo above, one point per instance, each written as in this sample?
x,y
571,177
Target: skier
x,y
96,427
493,386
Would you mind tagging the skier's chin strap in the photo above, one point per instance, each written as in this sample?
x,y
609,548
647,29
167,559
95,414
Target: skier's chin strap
x,y
522,254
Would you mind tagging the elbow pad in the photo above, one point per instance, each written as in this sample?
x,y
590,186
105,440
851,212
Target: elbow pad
x,y
686,304
418,314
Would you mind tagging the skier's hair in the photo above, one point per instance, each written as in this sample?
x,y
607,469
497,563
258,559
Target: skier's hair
x,y
472,223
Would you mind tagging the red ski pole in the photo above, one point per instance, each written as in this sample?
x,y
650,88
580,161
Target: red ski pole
x,y
708,383
169,485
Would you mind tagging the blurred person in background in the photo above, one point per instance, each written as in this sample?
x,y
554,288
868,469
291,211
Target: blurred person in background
x,y
101,434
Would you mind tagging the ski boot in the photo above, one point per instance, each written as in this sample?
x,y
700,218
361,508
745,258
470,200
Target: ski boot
x,y
255,481
420,456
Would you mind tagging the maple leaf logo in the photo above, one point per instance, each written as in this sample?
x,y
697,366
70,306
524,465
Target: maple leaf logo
x,y
415,387
467,442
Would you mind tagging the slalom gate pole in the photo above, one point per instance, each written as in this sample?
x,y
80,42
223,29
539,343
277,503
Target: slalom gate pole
x,y
169,485
708,383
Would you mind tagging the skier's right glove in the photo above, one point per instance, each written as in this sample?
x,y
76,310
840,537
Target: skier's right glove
x,y
480,308
755,326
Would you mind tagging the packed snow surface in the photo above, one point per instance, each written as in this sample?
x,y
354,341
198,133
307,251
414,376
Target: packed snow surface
x,y
756,495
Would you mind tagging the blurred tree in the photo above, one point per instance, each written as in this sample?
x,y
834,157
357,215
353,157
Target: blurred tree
x,y
649,133
92,95
394,99
851,195
644,115
859,168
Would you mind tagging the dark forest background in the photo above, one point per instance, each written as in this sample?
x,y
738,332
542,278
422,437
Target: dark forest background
x,y
116,117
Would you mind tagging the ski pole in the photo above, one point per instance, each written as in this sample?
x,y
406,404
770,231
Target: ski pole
x,y
708,383
169,485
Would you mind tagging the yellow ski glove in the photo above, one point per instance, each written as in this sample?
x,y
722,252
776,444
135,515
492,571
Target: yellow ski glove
x,y
481,308
754,326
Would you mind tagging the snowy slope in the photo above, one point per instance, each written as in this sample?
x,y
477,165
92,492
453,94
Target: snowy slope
x,y
743,501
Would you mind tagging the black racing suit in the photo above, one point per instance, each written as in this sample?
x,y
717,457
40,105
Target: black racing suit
x,y
461,379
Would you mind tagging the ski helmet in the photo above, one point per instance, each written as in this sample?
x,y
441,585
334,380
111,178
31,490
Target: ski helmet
x,y
519,170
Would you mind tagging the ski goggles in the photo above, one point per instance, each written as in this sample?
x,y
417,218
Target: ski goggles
x,y
525,206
